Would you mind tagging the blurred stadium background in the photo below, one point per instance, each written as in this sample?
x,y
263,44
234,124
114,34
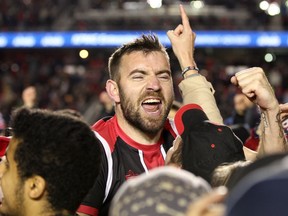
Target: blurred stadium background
x,y
73,75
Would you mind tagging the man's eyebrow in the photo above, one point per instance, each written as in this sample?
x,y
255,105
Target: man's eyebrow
x,y
164,71
141,71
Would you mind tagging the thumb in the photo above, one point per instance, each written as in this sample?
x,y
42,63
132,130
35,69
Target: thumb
x,y
234,80
284,107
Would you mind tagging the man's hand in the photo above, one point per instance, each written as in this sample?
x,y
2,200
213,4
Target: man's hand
x,y
255,85
172,158
284,108
209,204
182,39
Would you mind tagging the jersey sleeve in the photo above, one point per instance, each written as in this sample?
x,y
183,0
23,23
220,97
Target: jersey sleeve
x,y
93,201
198,90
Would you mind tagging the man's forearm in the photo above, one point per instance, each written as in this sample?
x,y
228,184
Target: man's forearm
x,y
198,90
272,138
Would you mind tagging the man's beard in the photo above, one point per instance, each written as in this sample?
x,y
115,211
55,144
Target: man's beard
x,y
18,208
146,124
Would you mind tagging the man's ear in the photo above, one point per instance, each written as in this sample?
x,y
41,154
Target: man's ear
x,y
36,186
113,90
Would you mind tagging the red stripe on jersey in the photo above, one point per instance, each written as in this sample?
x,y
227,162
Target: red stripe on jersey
x,y
88,210
153,159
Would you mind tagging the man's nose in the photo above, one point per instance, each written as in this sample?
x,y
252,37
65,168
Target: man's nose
x,y
153,83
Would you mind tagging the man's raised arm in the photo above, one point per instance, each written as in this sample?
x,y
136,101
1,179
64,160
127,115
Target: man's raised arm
x,y
255,85
194,87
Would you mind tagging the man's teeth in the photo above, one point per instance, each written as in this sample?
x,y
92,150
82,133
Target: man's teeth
x,y
152,101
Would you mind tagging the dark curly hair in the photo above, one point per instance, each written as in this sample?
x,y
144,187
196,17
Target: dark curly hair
x,y
145,43
61,149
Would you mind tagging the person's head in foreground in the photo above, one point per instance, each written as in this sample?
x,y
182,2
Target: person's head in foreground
x,y
222,173
47,168
260,188
163,191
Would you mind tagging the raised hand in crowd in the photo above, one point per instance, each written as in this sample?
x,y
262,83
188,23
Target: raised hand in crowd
x,y
255,85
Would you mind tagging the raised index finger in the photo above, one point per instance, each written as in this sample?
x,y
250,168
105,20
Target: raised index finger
x,y
184,17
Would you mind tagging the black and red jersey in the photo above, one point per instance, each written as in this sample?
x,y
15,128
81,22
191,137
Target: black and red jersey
x,y
123,159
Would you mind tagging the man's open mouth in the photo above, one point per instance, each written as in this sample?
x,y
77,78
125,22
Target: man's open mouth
x,y
152,105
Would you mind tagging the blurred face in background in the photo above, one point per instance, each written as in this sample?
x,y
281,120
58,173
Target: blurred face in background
x,y
241,103
29,96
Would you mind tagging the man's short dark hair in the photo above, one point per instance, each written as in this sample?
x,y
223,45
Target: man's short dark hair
x,y
146,44
61,149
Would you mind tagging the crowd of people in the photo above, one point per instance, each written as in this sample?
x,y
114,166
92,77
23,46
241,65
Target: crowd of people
x,y
136,161
33,15
21,15
63,80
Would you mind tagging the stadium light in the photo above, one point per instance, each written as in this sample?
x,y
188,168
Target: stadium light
x,y
264,5
274,9
155,3
197,4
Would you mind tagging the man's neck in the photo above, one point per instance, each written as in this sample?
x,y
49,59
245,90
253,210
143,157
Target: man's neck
x,y
138,135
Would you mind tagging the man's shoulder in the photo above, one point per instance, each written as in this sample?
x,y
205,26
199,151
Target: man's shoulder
x,y
105,131
105,123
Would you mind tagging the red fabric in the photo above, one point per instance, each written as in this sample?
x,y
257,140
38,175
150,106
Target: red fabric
x,y
252,141
4,141
88,210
